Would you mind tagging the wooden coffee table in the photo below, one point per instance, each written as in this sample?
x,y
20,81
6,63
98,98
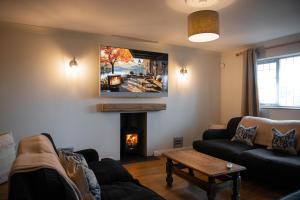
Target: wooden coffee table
x,y
219,176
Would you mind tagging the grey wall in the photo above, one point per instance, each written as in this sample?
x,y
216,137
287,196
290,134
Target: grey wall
x,y
40,94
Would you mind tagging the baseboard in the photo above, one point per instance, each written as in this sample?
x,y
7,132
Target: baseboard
x,y
161,151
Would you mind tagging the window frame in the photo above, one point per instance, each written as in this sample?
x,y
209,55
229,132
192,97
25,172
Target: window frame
x,y
277,61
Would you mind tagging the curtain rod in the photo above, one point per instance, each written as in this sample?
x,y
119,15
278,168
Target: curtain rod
x,y
272,47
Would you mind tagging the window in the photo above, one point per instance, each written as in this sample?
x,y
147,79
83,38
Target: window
x,y
279,82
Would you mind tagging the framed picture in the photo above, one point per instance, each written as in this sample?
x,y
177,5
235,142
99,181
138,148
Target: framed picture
x,y
132,73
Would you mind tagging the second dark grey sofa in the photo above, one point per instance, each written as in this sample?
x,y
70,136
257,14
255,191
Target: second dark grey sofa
x,y
265,164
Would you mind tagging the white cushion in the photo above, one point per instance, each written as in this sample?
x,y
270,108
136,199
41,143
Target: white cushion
x,y
7,155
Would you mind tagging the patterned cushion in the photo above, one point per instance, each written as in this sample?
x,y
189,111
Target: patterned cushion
x,y
285,142
7,155
78,158
77,169
245,135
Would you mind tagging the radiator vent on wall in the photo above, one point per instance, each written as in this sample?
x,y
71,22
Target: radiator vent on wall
x,y
178,142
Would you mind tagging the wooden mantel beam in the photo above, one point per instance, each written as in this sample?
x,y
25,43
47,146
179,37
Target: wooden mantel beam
x,y
130,107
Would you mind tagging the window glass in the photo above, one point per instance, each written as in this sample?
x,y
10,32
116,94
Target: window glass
x,y
279,81
266,77
289,81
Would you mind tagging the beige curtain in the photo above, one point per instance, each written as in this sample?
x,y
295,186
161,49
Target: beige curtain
x,y
250,90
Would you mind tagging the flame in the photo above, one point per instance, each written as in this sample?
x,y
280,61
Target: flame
x,y
132,140
116,80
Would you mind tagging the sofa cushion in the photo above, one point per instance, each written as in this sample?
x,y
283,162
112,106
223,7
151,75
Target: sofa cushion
x,y
222,148
271,163
245,134
108,171
264,129
285,142
77,169
90,155
127,191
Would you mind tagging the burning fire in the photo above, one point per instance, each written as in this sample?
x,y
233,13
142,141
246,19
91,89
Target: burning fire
x,y
132,140
116,80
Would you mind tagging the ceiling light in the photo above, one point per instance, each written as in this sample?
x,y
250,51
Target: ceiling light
x,y
201,3
203,26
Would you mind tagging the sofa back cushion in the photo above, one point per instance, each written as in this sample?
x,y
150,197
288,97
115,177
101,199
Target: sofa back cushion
x,y
232,126
264,134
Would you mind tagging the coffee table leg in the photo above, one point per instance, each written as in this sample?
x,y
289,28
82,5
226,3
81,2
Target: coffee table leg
x,y
211,193
236,186
169,166
191,172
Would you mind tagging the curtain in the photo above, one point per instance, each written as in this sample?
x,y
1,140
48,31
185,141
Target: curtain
x,y
250,90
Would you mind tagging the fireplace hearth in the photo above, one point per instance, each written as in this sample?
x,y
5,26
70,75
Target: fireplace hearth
x,y
133,136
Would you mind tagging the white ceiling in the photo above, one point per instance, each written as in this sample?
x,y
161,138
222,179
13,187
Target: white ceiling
x,y
243,22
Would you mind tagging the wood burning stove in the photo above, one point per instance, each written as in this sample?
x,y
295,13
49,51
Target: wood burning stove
x,y
133,135
131,141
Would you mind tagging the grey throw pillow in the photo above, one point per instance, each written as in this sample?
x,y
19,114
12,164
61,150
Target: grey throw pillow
x,y
285,142
245,135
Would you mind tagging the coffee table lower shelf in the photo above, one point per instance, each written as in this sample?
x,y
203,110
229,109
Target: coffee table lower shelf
x,y
214,184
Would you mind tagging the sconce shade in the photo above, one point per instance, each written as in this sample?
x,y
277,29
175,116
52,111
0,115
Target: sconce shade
x,y
183,70
203,26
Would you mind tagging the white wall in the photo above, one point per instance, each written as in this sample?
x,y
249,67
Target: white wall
x,y
231,86
232,79
38,94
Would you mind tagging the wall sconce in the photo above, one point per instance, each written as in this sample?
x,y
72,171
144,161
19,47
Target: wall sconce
x,y
73,62
183,70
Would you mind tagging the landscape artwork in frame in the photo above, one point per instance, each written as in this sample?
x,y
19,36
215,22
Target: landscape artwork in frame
x,y
132,73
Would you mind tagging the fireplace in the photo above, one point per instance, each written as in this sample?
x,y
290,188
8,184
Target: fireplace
x,y
133,136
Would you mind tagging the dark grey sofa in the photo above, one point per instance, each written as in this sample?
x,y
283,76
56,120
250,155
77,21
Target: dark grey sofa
x,y
45,184
261,163
292,196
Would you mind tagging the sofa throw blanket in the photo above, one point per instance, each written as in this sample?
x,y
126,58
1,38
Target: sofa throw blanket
x,y
37,152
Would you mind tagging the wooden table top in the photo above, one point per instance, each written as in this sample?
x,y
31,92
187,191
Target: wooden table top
x,y
203,163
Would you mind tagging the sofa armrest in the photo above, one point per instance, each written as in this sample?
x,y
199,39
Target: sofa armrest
x,y
90,155
211,134
51,140
44,183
